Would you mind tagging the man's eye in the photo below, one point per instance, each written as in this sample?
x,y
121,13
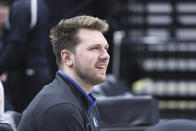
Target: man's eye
x,y
94,48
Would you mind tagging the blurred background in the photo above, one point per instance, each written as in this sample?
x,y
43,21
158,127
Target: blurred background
x,y
155,52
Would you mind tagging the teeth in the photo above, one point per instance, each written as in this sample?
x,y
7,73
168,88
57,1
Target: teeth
x,y
101,66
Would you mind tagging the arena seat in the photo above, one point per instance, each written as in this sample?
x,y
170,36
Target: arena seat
x,y
174,125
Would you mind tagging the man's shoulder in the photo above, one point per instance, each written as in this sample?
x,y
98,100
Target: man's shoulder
x,y
21,5
52,95
50,107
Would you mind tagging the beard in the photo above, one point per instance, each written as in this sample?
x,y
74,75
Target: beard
x,y
87,73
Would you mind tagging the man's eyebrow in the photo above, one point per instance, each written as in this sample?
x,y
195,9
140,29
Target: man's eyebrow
x,y
99,45
95,45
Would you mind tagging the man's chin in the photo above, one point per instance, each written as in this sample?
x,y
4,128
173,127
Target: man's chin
x,y
102,79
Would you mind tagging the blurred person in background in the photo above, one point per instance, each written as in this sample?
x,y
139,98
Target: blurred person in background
x,y
4,12
24,51
66,104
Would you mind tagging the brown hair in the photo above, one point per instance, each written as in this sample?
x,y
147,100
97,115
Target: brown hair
x,y
64,34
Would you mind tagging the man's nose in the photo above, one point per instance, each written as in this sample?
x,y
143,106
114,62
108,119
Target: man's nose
x,y
104,55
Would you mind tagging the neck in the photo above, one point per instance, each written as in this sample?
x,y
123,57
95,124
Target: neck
x,y
84,85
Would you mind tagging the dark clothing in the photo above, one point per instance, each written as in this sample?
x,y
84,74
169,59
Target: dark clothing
x,y
24,54
61,106
23,86
25,45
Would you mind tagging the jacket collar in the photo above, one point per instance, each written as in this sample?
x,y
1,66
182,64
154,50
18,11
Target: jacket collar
x,y
87,99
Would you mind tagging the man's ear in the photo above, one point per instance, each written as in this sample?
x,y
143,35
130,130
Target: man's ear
x,y
66,57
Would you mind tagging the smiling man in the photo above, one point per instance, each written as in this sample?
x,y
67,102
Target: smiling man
x,y
66,104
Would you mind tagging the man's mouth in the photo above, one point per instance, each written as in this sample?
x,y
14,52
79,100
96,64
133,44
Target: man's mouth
x,y
101,67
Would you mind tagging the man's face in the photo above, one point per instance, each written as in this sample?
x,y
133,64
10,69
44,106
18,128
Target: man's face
x,y
91,57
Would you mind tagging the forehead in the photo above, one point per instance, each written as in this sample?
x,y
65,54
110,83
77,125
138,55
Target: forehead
x,y
89,37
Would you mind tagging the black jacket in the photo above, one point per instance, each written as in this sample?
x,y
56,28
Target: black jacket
x,y
26,35
61,106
